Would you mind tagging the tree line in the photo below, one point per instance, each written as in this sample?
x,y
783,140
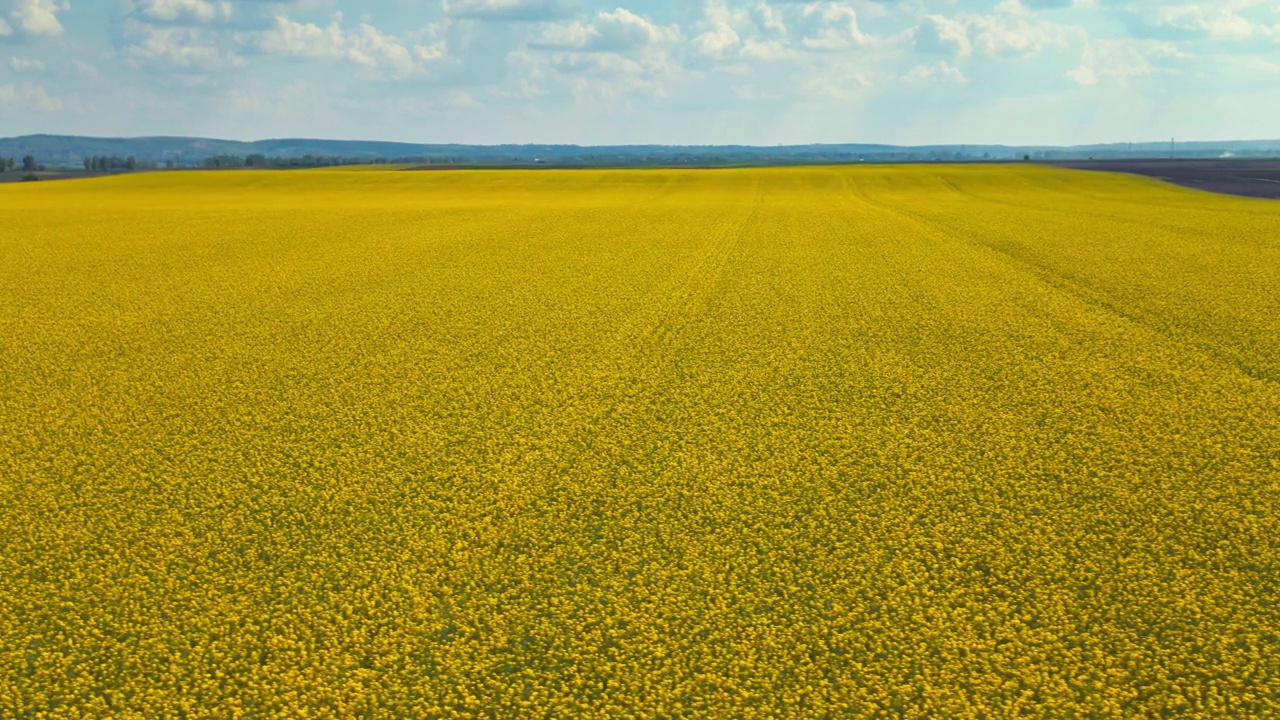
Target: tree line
x,y
114,163
28,164
258,160
110,163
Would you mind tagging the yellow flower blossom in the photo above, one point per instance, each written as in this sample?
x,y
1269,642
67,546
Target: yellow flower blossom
x,y
920,442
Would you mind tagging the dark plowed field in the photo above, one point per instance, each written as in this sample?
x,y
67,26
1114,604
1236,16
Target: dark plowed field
x,y
1251,178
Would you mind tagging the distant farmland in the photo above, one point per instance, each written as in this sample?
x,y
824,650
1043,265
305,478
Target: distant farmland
x,y
1249,178
944,441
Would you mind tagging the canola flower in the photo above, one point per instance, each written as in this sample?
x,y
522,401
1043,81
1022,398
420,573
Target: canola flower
x,y
908,442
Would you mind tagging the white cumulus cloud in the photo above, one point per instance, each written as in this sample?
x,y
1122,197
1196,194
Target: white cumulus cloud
x,y
29,97
941,71
198,11
831,26
33,17
946,36
617,31
365,46
717,40
1119,61
177,48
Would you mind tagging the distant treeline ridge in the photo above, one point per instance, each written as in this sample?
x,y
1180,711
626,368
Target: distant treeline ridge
x,y
64,151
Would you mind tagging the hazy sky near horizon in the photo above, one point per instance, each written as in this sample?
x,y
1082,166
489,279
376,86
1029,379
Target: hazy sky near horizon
x,y
644,71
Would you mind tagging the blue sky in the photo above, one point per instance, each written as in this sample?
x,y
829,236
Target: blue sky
x,y
645,71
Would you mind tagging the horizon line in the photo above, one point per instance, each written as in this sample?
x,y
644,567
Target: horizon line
x,y
1170,141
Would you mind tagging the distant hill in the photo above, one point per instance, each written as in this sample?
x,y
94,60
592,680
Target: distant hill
x,y
64,150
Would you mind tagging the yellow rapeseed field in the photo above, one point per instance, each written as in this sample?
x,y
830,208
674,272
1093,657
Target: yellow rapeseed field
x,y
944,442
